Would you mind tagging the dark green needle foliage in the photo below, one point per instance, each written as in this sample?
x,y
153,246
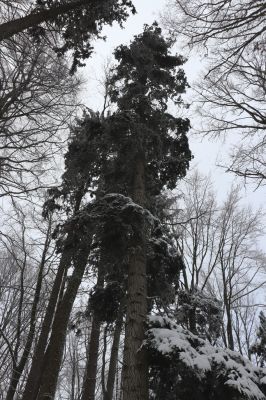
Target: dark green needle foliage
x,y
163,270
84,160
201,313
82,23
143,84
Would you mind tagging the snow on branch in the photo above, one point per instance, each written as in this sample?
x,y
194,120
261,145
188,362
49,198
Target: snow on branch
x,y
198,361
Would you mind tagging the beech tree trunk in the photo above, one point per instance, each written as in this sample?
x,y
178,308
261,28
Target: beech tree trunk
x,y
54,352
135,366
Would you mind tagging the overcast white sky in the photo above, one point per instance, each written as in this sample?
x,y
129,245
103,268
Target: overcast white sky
x,y
206,152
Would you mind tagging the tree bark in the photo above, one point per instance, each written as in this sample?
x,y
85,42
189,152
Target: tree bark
x,y
114,353
229,325
89,383
135,366
8,29
54,352
229,328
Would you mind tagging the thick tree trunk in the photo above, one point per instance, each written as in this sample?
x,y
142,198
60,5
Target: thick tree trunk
x,y
8,29
114,353
54,352
17,372
135,367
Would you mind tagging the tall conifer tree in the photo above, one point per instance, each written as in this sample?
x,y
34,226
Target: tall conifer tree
x,y
152,153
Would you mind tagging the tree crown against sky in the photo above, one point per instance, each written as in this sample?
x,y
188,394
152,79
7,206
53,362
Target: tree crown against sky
x,y
143,83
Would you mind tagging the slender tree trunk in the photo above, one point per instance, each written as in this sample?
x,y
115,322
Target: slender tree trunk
x,y
89,382
33,381
238,333
229,329
25,355
192,321
224,336
37,365
135,366
105,331
54,352
73,376
227,306
114,353
10,28
229,325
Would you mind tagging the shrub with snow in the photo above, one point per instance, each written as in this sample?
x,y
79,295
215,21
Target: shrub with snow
x,y
186,367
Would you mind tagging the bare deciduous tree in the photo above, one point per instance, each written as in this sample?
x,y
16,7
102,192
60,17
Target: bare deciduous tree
x,y
231,94
37,102
219,244
233,24
28,257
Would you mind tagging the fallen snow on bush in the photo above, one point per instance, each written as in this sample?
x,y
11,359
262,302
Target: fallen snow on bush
x,y
201,358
